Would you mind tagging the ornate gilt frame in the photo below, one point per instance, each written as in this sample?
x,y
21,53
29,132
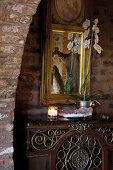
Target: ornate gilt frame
x,y
46,98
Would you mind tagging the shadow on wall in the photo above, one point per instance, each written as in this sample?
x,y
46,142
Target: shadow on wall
x,y
27,95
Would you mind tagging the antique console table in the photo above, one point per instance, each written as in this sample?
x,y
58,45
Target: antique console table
x,y
70,145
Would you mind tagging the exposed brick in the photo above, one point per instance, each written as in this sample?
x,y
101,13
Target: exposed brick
x,y
106,96
24,96
16,18
5,94
29,1
102,71
9,49
108,63
21,8
5,60
13,39
9,72
5,139
23,30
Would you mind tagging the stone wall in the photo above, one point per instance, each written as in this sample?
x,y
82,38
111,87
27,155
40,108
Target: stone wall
x,y
15,18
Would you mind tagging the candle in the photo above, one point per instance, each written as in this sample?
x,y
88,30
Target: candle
x,y
52,111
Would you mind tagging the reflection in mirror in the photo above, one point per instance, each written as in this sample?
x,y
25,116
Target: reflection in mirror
x,y
66,62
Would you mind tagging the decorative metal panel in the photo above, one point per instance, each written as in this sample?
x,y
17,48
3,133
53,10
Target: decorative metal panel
x,y
79,152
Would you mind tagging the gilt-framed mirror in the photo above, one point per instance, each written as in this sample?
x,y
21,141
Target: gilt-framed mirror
x,y
63,69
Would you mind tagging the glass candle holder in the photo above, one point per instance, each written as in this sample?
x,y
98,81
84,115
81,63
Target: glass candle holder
x,y
52,112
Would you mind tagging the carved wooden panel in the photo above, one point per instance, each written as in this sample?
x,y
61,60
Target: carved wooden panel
x,y
68,11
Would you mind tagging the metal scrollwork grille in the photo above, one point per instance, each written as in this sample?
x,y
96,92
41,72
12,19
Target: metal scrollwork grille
x,y
45,140
106,133
79,152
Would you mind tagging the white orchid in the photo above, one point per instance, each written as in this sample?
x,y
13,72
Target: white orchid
x,y
86,33
95,29
96,21
77,39
86,24
86,43
70,45
76,49
96,38
70,36
98,48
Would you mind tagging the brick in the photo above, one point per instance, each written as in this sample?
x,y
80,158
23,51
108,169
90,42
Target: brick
x,y
5,60
102,71
13,39
29,1
5,139
16,18
24,96
9,49
6,94
23,30
21,8
9,72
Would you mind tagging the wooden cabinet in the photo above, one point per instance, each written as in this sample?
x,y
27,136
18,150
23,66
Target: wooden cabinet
x,y
79,145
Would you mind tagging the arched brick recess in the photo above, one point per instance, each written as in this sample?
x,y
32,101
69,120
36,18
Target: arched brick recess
x,y
15,18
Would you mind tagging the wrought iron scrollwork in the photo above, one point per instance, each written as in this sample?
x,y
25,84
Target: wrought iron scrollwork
x,y
45,140
79,152
106,133
81,126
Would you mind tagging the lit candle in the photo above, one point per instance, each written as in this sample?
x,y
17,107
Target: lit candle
x,y
52,111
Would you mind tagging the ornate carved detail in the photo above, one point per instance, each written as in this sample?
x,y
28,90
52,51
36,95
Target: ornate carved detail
x,y
46,139
68,10
106,133
79,152
81,126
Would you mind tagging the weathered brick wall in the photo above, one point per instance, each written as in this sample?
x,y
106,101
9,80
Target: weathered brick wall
x,y
15,18
28,91
102,72
29,81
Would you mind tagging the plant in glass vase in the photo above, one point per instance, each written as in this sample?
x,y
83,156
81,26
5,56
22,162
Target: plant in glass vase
x,y
91,40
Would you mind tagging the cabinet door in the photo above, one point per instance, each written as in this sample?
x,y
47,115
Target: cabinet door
x,y
110,160
39,162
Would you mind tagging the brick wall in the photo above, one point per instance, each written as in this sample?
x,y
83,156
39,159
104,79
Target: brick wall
x,y
102,71
15,18
28,92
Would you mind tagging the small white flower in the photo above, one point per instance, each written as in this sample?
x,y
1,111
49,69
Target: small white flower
x,y
70,45
86,24
96,21
86,44
86,33
76,49
95,29
98,48
70,36
77,39
96,38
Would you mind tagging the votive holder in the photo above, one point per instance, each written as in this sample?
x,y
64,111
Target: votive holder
x,y
52,113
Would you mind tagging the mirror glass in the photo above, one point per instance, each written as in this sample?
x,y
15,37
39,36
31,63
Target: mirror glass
x,y
67,59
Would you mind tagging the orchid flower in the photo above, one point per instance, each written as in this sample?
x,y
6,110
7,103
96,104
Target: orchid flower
x,y
98,48
86,44
96,21
86,33
95,29
96,38
86,24
76,49
70,45
70,36
77,39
